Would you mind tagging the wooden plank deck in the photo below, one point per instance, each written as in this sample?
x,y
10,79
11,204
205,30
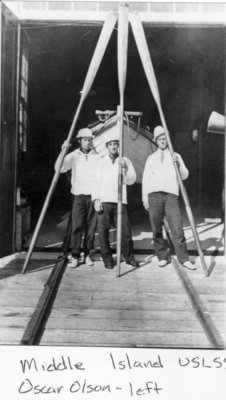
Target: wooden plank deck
x,y
145,307
19,295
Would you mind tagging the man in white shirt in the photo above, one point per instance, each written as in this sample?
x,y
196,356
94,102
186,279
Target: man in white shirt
x,y
105,196
160,195
82,163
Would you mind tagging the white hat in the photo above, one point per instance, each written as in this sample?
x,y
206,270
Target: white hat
x,y
111,137
158,131
84,133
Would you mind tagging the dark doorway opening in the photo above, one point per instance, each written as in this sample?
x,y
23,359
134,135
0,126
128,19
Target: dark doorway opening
x,y
189,64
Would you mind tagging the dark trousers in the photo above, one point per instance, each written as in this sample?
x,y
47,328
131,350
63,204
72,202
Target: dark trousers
x,y
105,220
162,205
84,221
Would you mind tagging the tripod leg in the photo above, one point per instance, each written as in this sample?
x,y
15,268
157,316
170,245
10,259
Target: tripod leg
x,y
92,71
122,69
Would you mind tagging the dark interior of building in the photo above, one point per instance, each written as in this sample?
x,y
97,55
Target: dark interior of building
x,y
189,65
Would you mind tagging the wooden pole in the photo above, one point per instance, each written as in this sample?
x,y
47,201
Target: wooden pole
x,y
149,70
224,197
200,140
122,67
92,71
120,182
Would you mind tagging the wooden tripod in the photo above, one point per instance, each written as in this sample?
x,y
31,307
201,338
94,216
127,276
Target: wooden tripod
x,y
122,68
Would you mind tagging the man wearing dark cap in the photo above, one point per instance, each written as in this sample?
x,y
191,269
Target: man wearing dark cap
x,y
81,162
160,194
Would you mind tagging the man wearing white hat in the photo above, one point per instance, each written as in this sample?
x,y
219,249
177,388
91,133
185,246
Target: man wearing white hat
x,y
160,195
105,197
82,163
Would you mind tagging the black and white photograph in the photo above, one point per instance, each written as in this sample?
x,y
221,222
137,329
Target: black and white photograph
x,y
112,176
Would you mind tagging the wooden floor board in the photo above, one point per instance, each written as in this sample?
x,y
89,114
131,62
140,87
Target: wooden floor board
x,y
12,312
127,295
153,287
30,282
126,305
122,325
9,336
15,322
107,324
166,315
19,298
125,338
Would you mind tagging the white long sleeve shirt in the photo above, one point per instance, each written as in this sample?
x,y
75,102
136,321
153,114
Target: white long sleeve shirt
x,y
105,187
82,168
161,176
